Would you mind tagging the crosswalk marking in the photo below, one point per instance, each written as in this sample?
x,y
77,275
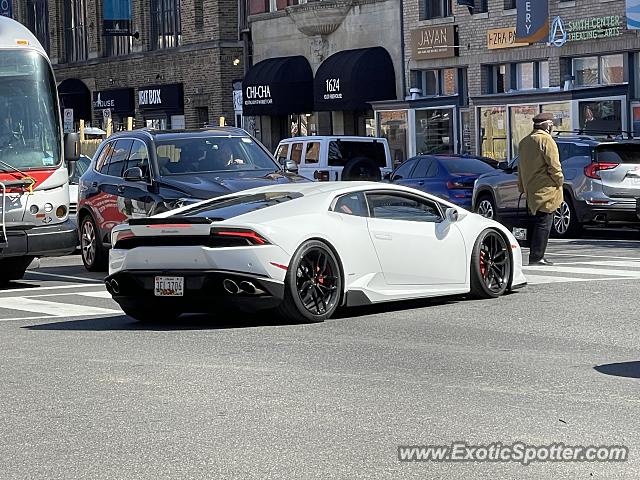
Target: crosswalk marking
x,y
582,271
100,294
54,309
586,271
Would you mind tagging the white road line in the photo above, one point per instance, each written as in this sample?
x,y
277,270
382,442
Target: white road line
x,y
614,263
533,279
100,294
55,309
635,259
583,271
36,289
55,275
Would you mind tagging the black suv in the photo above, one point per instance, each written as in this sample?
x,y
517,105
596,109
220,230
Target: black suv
x,y
144,172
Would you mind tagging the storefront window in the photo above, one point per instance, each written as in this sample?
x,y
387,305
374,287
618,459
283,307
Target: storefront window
x,y
601,118
525,76
493,132
302,125
500,80
392,125
450,83
562,116
612,68
544,74
434,131
586,70
521,124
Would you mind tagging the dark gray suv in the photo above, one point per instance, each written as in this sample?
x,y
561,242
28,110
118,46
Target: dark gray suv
x,y
602,185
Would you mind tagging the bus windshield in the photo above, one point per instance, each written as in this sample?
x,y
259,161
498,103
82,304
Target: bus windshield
x,y
29,118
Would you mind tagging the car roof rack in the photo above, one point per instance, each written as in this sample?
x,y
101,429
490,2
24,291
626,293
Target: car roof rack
x,y
588,134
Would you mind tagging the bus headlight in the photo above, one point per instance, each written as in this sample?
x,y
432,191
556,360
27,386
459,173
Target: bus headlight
x,y
33,209
48,207
61,211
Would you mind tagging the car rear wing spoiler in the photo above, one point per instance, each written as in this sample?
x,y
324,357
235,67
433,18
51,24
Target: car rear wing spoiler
x,y
169,221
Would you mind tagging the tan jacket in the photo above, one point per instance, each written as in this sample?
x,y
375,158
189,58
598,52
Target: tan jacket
x,y
539,172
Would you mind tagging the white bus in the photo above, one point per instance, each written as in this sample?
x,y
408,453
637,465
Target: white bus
x,y
34,182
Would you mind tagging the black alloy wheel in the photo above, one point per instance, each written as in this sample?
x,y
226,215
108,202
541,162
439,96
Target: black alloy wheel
x,y
313,286
490,265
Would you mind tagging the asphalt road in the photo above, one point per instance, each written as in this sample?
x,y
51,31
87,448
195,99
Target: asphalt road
x,y
88,393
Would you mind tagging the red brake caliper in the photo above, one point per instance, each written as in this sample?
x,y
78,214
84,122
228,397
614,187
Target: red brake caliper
x,y
483,265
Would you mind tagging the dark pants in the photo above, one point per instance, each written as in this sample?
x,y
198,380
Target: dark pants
x,y
540,230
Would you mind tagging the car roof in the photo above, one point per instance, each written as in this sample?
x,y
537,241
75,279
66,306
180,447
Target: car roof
x,y
181,134
337,137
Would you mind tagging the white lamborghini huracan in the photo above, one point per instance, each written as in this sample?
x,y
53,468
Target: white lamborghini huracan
x,y
307,249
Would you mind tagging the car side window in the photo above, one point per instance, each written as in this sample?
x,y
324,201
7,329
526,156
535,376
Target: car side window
x,y
581,151
393,206
296,152
281,153
103,158
351,204
404,171
312,154
422,168
139,157
119,157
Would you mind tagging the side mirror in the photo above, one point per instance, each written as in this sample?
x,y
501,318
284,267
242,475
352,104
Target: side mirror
x,y
503,166
387,176
452,215
291,166
71,148
133,174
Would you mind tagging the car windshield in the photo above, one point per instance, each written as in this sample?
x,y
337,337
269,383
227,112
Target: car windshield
x,y
466,166
180,156
225,208
30,135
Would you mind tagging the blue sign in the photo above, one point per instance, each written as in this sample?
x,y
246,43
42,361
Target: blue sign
x,y
6,8
633,14
532,23
117,18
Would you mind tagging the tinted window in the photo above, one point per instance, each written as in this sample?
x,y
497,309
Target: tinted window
x,y
232,207
422,168
465,166
580,151
119,157
400,207
341,151
404,170
352,204
103,159
182,155
313,152
139,157
620,153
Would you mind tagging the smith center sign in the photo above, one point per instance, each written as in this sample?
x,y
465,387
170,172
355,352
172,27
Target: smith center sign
x,y
585,29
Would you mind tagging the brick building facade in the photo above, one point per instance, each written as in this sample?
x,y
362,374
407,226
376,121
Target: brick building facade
x,y
186,51
471,89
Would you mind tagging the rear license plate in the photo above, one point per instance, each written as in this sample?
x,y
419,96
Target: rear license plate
x,y
520,233
169,287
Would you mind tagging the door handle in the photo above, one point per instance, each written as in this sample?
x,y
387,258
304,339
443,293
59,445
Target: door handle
x,y
382,236
120,188
94,184
421,183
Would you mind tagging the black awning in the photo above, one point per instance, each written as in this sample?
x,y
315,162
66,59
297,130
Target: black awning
x,y
74,94
278,86
350,79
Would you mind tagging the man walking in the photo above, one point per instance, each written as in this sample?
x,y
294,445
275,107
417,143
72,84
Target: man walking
x,y
540,179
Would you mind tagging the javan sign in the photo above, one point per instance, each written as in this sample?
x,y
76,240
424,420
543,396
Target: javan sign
x,y
433,42
503,38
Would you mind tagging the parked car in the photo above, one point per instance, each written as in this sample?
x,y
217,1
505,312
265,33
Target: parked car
x,y
332,158
448,176
306,249
602,185
143,172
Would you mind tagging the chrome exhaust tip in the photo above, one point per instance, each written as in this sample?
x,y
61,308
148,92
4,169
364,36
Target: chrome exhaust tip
x,y
230,286
248,287
115,286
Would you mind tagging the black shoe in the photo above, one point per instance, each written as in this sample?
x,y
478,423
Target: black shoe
x,y
543,262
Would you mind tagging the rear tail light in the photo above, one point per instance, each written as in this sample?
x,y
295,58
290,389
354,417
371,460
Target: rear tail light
x,y
592,169
249,236
120,235
321,175
454,185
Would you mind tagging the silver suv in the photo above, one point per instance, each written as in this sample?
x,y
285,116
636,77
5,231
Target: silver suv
x,y
601,186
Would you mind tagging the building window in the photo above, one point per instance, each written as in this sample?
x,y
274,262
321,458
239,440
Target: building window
x,y
601,117
493,132
500,83
37,20
604,70
521,124
543,74
437,82
392,125
434,131
117,45
166,29
509,4
75,33
202,115
525,76
437,8
198,13
480,6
